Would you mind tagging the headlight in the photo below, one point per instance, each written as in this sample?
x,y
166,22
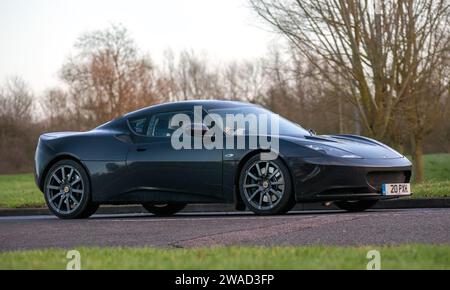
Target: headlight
x,y
332,151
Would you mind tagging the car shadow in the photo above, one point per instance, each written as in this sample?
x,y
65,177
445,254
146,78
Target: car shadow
x,y
209,215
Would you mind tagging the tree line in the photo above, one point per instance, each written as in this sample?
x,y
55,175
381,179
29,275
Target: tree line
x,y
376,68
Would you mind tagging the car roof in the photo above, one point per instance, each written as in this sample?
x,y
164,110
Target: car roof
x,y
188,105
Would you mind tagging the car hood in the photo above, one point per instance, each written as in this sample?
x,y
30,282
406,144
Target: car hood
x,y
358,145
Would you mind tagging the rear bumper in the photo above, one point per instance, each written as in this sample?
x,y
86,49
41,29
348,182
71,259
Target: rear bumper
x,y
42,158
336,179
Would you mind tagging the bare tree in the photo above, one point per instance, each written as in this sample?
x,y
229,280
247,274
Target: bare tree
x,y
197,78
244,81
17,132
16,101
168,85
278,92
189,76
381,50
108,77
58,111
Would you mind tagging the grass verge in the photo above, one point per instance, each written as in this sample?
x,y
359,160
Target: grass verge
x,y
19,191
394,257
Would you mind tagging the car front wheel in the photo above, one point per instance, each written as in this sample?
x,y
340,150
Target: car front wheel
x,y
265,186
67,191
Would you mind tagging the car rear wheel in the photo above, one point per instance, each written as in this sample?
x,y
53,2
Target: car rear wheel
x,y
265,186
356,206
163,209
67,191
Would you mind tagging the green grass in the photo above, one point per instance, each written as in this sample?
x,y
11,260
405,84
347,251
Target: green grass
x,y
17,191
431,189
395,257
437,177
437,167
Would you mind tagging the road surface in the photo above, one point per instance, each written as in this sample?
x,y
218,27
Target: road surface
x,y
375,227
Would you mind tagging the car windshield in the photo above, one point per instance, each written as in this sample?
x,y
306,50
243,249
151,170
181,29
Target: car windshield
x,y
286,127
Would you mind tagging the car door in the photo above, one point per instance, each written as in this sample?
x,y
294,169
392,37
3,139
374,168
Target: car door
x,y
156,167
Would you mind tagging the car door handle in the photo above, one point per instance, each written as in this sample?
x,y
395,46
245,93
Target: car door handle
x,y
141,149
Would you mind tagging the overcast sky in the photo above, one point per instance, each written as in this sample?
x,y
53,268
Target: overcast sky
x,y
37,35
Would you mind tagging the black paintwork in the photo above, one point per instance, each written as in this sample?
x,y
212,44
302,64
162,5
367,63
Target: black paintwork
x,y
127,168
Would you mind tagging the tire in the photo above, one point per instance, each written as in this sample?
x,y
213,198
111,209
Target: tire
x,y
356,206
90,210
163,209
266,187
67,191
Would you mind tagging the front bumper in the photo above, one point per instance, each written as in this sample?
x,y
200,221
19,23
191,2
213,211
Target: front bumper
x,y
316,179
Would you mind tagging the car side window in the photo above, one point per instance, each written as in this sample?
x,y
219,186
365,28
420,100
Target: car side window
x,y
138,125
160,124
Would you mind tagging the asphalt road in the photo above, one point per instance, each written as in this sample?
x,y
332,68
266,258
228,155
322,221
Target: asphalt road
x,y
376,227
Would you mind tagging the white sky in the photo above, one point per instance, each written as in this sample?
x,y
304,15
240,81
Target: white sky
x,y
36,36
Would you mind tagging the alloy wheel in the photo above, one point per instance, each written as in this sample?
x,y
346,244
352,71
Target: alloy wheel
x,y
65,189
264,185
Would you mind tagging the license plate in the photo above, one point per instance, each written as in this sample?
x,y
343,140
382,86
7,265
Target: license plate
x,y
396,189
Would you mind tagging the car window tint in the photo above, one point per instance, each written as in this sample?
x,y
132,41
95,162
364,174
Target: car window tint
x,y
159,125
138,125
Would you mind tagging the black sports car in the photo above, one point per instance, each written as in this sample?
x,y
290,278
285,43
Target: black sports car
x,y
131,160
